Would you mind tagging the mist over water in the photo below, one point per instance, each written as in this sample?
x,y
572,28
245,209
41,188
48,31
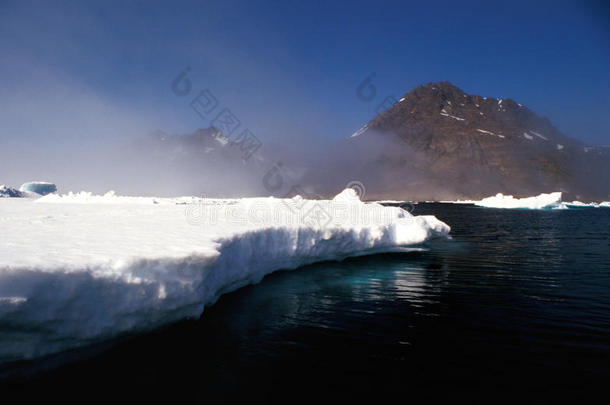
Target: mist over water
x,y
80,85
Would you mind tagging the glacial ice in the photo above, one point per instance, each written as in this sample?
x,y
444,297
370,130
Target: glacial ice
x,y
579,204
38,187
542,201
80,268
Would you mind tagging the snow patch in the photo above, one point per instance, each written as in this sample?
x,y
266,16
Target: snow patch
x,y
452,116
360,131
528,136
539,135
483,131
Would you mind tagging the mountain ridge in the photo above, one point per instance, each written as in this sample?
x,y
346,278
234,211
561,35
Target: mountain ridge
x,y
470,146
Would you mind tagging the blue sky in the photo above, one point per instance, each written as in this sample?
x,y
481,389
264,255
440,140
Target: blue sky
x,y
78,73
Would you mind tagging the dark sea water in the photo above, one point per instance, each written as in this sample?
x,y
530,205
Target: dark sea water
x,y
515,308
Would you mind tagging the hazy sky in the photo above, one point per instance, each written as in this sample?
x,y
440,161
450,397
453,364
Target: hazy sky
x,y
75,74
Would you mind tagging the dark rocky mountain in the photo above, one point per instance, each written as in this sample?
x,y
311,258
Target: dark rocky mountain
x,y
435,143
8,192
446,144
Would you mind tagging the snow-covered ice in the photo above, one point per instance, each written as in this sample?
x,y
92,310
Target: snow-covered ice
x,y
579,204
80,268
543,201
458,202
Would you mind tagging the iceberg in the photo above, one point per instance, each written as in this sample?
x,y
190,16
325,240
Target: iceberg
x,y
79,268
38,187
580,204
542,201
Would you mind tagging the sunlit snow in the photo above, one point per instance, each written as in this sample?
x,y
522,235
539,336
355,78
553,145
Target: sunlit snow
x,y
81,268
542,201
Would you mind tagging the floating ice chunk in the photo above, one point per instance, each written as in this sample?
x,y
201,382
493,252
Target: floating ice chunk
x,y
543,201
528,136
38,187
459,202
579,204
559,146
82,268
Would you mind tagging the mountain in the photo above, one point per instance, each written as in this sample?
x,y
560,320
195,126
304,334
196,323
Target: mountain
x,y
204,162
8,192
435,143
446,144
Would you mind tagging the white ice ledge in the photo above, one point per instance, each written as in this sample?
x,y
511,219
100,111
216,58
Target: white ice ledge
x,y
80,269
542,201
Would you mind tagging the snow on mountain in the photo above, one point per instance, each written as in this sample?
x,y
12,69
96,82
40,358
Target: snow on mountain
x,y
80,268
467,146
579,204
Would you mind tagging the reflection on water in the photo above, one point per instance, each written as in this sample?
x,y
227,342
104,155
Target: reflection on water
x,y
516,306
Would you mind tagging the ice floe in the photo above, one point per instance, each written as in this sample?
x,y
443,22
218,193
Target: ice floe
x,y
80,268
542,201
